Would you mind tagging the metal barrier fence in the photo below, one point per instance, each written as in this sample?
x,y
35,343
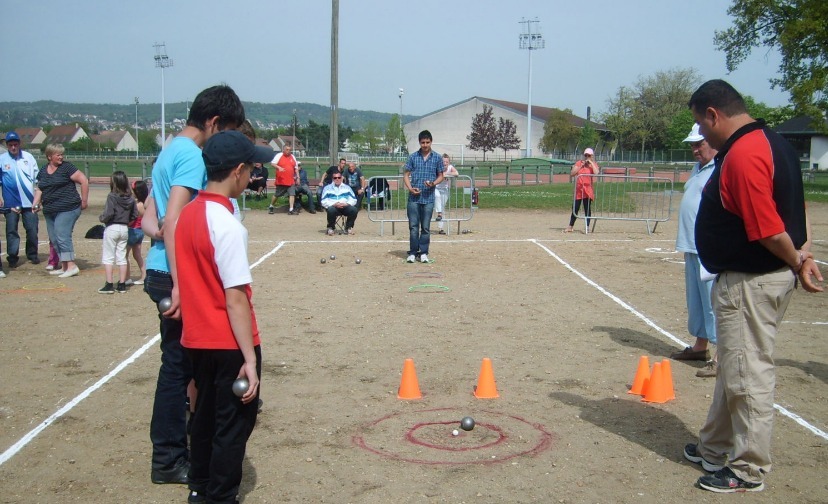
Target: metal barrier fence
x,y
629,198
387,198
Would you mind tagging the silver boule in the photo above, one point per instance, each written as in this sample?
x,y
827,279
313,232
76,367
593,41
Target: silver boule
x,y
358,260
333,257
323,260
240,386
467,423
164,304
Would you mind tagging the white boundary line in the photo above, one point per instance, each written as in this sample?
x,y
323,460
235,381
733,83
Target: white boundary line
x,y
19,445
793,416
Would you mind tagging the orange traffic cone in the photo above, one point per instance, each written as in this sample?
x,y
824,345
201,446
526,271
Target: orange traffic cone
x,y
409,386
642,374
668,376
486,388
657,389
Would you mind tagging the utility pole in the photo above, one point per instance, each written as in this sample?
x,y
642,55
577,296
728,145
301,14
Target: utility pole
x,y
136,128
162,61
333,147
402,132
532,41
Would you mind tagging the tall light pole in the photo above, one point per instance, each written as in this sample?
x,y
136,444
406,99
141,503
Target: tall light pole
x,y
293,139
136,127
162,61
402,131
532,41
333,146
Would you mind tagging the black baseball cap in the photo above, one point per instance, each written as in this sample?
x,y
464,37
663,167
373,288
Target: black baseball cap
x,y
227,149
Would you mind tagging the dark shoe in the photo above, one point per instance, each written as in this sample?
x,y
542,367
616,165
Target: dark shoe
x,y
689,354
292,212
708,371
311,210
34,260
176,475
121,288
106,289
270,210
13,262
725,481
439,218
692,455
196,497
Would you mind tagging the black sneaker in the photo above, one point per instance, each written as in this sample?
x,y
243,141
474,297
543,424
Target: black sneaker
x,y
107,289
691,454
121,288
177,474
270,210
34,260
196,497
725,481
292,212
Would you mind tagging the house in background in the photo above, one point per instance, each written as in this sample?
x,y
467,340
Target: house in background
x,y
279,142
120,139
169,139
810,143
31,138
65,134
451,125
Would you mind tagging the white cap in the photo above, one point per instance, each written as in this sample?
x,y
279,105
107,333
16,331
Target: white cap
x,y
694,135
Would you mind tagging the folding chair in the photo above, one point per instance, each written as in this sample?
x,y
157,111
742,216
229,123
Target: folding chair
x,y
340,224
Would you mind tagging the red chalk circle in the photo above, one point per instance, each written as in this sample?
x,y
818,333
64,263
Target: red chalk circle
x,y
425,437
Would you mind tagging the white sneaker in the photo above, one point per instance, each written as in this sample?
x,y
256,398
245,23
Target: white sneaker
x,y
410,259
70,272
3,275
49,267
129,282
424,258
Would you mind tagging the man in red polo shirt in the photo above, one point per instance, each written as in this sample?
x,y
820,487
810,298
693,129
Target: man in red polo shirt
x,y
220,331
287,178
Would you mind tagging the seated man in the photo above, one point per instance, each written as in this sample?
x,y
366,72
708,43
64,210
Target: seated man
x,y
258,180
327,179
356,181
303,187
338,199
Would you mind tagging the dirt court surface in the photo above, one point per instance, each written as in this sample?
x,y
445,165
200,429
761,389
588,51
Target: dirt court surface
x,y
564,319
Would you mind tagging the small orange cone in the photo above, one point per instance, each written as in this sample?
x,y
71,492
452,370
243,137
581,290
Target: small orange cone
x,y
668,376
409,386
657,389
486,388
642,374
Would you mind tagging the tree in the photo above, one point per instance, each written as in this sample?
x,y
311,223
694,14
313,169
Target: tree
x,y
641,116
146,142
373,137
588,136
393,134
483,136
507,138
558,132
799,30
317,137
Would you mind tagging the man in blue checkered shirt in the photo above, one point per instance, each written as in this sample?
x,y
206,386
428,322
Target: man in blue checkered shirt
x,y
423,171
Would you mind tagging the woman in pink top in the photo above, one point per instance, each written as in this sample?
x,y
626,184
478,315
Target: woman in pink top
x,y
583,187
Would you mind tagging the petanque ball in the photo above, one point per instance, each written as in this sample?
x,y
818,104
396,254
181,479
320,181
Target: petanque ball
x,y
467,423
359,261
164,305
333,257
240,386
323,260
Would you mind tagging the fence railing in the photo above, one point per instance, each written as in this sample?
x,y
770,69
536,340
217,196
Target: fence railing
x,y
387,202
629,198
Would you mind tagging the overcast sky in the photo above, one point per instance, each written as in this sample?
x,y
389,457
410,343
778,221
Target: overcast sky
x,y
439,52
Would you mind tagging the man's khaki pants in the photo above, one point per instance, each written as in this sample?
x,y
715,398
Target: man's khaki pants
x,y
749,308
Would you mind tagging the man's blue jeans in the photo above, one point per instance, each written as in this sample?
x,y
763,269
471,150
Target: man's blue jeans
x,y
30,220
168,427
419,222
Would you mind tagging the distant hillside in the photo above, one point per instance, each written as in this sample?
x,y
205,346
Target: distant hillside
x,y
265,115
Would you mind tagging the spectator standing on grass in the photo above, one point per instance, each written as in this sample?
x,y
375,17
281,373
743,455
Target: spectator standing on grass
x,y
441,196
221,335
750,231
119,211
356,181
284,164
584,194
338,199
178,174
58,197
18,175
698,282
423,172
135,239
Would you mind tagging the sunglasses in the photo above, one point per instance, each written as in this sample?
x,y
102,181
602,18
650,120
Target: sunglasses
x,y
337,178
